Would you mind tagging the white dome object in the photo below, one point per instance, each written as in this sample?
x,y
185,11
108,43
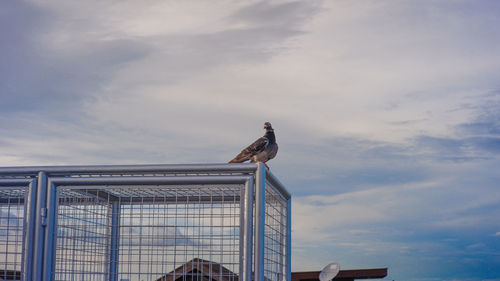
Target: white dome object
x,y
329,272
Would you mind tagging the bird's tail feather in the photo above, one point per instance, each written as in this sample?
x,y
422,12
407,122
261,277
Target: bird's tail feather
x,y
240,158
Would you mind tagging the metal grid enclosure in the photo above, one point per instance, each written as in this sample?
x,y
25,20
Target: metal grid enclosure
x,y
15,226
141,223
11,230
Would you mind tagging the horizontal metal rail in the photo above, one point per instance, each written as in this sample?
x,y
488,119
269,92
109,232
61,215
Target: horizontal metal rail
x,y
128,181
277,184
15,182
143,200
124,169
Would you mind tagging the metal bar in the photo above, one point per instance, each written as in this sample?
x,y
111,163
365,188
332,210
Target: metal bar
x,y
40,223
246,228
120,169
133,180
115,236
260,219
15,182
242,230
277,185
50,232
289,240
30,225
191,199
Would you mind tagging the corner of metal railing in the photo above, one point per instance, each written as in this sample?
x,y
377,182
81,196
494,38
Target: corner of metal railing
x,y
280,188
277,184
260,220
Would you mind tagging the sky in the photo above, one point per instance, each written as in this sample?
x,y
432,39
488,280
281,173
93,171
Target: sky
x,y
387,113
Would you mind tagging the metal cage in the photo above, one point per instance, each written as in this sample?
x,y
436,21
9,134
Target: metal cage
x,y
214,222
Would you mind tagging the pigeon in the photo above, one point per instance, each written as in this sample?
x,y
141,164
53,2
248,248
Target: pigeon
x,y
262,150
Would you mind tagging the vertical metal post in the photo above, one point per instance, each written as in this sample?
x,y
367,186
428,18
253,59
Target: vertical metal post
x,y
115,232
50,233
260,220
289,239
30,230
40,223
243,229
246,235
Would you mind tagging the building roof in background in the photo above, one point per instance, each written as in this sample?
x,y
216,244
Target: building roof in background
x,y
199,269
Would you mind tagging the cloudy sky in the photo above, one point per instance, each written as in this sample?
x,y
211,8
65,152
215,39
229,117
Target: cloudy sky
x,y
387,113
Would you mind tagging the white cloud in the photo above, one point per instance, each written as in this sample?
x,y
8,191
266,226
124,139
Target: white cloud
x,y
385,112
319,218
308,72
407,219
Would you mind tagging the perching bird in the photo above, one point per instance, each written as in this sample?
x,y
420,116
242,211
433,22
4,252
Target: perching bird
x,y
262,150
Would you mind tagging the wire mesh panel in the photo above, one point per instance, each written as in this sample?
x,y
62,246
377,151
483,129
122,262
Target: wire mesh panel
x,y
175,225
12,232
275,231
161,228
83,236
